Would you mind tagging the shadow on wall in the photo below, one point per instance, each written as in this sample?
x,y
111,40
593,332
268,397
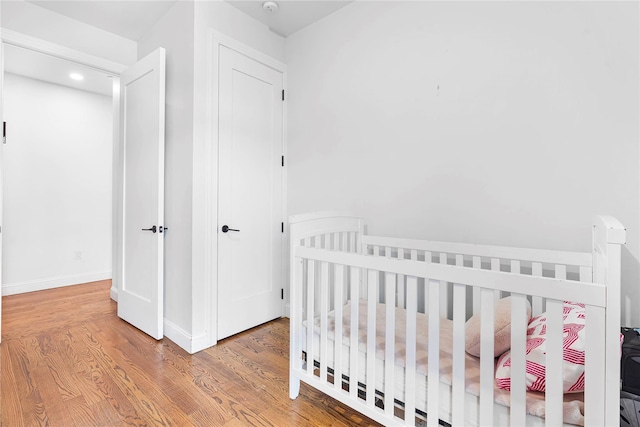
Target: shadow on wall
x,y
630,289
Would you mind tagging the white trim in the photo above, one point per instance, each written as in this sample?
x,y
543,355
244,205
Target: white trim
x,y
117,191
113,292
53,282
209,229
285,177
199,342
22,40
1,170
221,39
183,339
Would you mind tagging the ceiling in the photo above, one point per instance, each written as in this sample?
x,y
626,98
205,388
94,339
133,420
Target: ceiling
x,y
291,15
132,18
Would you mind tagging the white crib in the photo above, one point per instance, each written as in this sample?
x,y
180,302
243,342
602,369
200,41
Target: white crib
x,y
408,290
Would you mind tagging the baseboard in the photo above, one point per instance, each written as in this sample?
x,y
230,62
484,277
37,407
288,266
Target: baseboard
x,y
113,293
182,338
53,282
199,343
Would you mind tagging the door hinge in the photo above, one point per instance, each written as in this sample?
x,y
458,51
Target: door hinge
x,y
282,227
4,132
283,94
281,293
282,161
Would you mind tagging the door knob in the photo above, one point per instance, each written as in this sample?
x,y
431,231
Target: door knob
x,y
225,228
152,229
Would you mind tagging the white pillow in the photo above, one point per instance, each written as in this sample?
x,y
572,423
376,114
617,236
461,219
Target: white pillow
x,y
501,329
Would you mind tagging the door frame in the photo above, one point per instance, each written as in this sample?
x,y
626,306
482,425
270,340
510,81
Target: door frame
x,y
209,204
18,39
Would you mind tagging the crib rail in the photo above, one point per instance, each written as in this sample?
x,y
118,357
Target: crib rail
x,y
536,262
329,277
313,269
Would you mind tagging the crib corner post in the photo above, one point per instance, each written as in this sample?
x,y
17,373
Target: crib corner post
x,y
608,237
295,322
294,386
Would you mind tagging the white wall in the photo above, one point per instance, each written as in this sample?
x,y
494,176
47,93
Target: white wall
x,y
174,32
184,33
31,20
57,186
508,123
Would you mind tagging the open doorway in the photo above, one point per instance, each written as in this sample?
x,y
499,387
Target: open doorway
x,y
58,172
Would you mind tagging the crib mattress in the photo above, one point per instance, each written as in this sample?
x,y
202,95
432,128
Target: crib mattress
x,y
573,406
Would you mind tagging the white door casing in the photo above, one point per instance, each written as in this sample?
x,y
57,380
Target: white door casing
x,y
141,296
250,135
1,169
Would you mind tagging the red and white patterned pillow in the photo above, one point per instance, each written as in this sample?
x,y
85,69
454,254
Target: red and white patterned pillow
x,y
573,354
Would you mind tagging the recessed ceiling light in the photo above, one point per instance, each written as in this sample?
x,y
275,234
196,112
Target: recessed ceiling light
x,y
76,76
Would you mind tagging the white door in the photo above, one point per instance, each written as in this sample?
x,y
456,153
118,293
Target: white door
x,y
249,193
142,95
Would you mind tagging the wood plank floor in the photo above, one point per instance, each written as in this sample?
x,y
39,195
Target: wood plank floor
x,y
68,360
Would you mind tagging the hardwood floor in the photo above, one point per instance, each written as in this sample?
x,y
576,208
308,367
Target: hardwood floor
x,y
68,360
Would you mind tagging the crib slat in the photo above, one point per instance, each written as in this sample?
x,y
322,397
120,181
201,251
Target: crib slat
x,y
586,274
371,336
561,271
390,341
353,337
594,375
460,263
295,347
401,286
536,302
337,341
410,357
433,379
444,295
486,357
324,319
458,377
414,254
515,266
476,263
311,275
553,384
495,266
519,323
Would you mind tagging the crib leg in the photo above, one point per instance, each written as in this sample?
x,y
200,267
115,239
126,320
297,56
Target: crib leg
x,y
294,386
